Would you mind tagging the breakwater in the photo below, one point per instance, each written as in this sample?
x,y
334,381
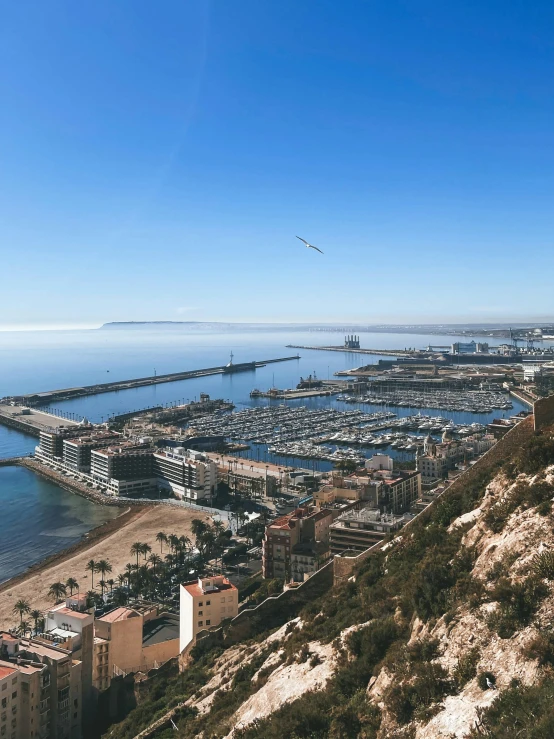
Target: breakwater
x,y
50,396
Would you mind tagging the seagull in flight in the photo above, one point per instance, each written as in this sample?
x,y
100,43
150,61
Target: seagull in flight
x,y
309,246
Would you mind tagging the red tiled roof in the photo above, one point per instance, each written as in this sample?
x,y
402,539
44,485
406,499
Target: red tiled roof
x,y
5,671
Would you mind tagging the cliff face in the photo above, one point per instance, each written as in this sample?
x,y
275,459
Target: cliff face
x,y
492,630
446,632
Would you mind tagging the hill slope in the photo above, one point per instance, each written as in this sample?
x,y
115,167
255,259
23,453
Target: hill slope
x,y
444,633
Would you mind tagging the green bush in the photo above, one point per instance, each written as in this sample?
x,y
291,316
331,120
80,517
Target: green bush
x,y
543,565
518,603
430,685
541,648
466,668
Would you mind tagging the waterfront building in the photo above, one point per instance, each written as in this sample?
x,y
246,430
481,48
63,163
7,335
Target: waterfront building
x,y
471,347
50,448
205,603
126,469
77,451
439,458
248,480
361,529
380,462
189,474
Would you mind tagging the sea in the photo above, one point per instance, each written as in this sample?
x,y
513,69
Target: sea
x,y
39,518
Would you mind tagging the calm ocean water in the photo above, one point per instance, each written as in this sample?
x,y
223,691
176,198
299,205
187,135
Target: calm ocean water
x,y
42,518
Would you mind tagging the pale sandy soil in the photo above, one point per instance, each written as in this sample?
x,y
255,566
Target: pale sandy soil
x,y
115,548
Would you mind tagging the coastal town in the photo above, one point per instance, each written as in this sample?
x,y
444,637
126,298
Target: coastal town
x,y
138,594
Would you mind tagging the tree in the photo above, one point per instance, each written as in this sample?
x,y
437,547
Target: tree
x,y
91,596
161,538
21,607
136,550
23,628
145,550
198,527
103,567
36,615
111,583
57,591
154,560
72,584
91,567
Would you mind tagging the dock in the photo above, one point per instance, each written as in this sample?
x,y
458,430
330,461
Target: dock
x,y
31,421
51,396
380,352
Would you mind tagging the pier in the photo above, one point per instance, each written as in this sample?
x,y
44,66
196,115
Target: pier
x,y
50,396
381,352
31,421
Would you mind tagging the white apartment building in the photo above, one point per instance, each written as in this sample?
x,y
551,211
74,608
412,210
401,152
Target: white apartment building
x,y
205,603
189,474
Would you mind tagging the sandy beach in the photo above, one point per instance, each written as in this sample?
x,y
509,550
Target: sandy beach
x,y
113,544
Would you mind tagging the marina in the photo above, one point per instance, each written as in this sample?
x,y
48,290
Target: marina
x,y
471,401
300,433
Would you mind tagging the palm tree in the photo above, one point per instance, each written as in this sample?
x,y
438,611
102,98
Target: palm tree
x,y
23,628
154,560
103,567
146,549
102,584
57,591
173,542
161,538
72,584
91,598
136,549
36,615
91,567
22,607
121,579
219,528
111,583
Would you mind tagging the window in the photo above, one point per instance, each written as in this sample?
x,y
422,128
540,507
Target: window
x,y
200,613
208,622
14,694
208,602
200,623
4,702
14,680
200,604
4,686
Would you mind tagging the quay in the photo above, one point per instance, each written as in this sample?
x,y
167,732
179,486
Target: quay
x,y
50,396
10,461
380,352
30,420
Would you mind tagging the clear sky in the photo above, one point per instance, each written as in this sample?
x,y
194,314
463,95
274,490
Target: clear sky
x,y
157,160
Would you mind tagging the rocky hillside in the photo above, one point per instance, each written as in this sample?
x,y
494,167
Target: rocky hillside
x,y
447,632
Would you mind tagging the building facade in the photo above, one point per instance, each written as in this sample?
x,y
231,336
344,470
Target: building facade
x,y
205,603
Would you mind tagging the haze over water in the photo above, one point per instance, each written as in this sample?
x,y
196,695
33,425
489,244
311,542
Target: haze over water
x,y
42,518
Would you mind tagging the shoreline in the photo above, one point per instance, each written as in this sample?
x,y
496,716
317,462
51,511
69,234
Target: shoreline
x,y
77,488
92,537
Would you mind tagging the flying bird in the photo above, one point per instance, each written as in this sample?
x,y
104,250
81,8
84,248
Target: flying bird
x,y
309,246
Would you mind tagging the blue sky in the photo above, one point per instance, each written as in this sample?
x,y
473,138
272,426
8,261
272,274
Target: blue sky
x,y
158,159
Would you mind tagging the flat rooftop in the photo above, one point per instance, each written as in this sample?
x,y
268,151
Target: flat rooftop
x,y
161,629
